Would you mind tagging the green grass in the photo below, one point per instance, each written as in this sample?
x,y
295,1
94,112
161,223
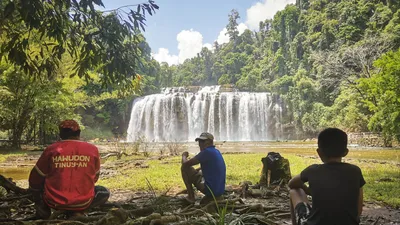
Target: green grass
x,y
165,174
4,154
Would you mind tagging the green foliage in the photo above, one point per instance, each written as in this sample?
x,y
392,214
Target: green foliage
x,y
96,133
101,41
318,56
32,107
231,28
383,96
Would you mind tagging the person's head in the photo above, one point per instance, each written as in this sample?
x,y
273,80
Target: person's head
x,y
69,129
205,140
332,144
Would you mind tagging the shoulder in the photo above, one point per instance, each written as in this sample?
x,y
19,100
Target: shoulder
x,y
81,143
352,167
52,147
209,152
312,167
90,146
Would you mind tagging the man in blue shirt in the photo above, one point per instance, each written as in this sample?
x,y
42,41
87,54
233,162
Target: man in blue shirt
x,y
210,177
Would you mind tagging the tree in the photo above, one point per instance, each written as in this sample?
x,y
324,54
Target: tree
x,y
383,96
96,40
231,28
36,106
314,55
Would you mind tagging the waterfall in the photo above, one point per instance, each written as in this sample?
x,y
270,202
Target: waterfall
x,y
180,114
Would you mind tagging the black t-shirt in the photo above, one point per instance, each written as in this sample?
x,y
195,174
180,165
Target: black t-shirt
x,y
335,189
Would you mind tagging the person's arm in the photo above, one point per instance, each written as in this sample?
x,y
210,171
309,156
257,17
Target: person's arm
x,y
36,180
189,162
361,194
38,173
360,202
97,166
297,183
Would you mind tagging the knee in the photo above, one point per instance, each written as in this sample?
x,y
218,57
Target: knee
x,y
294,192
184,168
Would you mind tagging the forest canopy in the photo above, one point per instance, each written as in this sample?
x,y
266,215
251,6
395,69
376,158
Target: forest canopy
x,y
333,63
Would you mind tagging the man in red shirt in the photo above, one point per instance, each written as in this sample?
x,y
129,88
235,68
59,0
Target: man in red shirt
x,y
64,177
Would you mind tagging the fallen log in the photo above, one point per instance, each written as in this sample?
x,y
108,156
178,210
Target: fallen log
x,y
140,212
283,215
116,216
266,221
15,198
11,186
251,208
274,211
165,220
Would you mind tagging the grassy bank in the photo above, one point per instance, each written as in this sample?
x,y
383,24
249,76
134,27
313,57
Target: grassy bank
x,y
383,179
4,154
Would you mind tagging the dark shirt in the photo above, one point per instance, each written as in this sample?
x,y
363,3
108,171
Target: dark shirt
x,y
213,169
335,189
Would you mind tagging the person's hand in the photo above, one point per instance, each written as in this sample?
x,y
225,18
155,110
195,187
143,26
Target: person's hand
x,y
185,154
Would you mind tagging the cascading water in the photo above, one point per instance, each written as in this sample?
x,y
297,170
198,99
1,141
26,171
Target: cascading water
x,y
178,114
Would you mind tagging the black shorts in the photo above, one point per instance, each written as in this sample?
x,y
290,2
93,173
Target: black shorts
x,y
302,211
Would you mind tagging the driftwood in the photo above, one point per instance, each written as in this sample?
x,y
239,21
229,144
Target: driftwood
x,y
16,198
117,154
10,186
141,212
155,219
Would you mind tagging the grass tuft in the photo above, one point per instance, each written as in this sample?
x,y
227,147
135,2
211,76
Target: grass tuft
x,y
383,179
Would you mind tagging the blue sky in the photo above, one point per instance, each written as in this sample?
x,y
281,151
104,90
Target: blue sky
x,y
180,28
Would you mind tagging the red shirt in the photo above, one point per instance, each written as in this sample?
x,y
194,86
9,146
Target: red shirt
x,y
68,170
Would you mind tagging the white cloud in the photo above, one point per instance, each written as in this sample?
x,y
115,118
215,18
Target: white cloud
x,y
224,38
209,46
163,56
264,10
241,28
190,43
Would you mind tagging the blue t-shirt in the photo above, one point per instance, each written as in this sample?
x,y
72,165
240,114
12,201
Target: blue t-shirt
x,y
214,170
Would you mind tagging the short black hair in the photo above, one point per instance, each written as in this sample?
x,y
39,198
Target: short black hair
x,y
67,133
332,142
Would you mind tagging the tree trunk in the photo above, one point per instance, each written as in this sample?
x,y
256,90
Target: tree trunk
x,y
16,138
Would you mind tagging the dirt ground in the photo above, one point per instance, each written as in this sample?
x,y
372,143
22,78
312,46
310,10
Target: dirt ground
x,y
271,205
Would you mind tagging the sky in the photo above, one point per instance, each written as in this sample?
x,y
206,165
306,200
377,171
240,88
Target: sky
x,y
181,28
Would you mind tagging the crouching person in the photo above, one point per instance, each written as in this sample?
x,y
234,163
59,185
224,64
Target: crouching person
x,y
335,187
210,177
64,177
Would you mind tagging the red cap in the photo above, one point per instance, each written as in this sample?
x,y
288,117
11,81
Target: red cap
x,y
71,124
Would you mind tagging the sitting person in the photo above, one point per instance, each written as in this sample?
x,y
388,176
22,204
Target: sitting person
x,y
210,178
64,176
335,187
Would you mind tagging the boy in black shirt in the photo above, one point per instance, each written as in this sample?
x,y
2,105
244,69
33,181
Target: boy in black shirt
x,y
335,187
